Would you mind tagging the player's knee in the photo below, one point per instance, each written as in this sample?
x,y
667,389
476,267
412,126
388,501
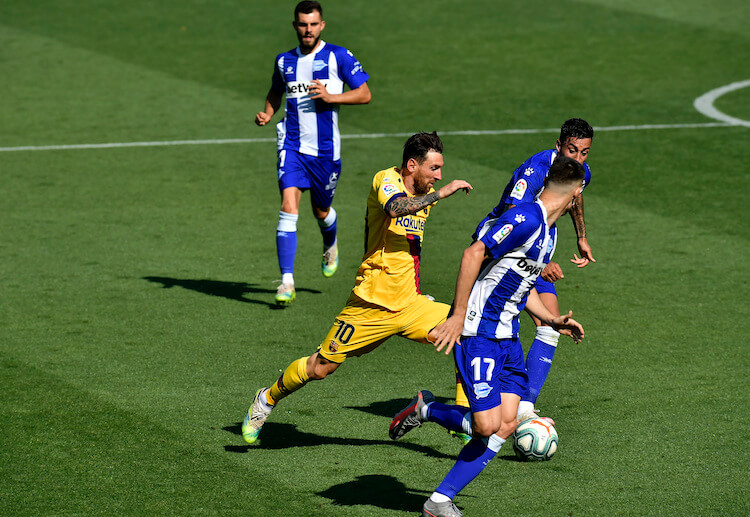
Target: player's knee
x,y
320,368
322,213
507,428
485,429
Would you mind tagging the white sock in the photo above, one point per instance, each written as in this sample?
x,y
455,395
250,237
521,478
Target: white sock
x,y
423,412
264,400
328,220
524,407
287,278
439,498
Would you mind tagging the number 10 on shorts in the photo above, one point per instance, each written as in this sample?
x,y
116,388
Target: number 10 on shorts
x,y
344,332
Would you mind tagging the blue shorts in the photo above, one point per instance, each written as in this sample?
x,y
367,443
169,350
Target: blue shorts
x,y
542,286
489,367
319,175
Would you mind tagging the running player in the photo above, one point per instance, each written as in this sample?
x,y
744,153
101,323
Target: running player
x,y
386,299
495,281
525,186
313,76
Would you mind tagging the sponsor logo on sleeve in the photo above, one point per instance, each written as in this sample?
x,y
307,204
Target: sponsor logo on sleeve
x,y
528,172
482,390
389,189
519,189
502,233
520,218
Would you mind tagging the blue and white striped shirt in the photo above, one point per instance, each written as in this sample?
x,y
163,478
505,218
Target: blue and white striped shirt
x,y
520,245
311,126
527,182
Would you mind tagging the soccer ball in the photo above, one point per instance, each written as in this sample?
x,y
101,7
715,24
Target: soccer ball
x,y
535,439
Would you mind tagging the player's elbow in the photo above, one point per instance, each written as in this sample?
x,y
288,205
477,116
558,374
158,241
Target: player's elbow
x,y
365,96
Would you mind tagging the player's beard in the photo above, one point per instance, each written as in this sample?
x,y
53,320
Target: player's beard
x,y
309,48
421,188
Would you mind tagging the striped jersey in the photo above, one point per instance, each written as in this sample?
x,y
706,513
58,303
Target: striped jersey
x,y
311,126
520,244
389,274
527,182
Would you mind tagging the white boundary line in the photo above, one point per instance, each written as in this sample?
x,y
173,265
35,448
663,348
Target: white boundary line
x,y
705,104
489,132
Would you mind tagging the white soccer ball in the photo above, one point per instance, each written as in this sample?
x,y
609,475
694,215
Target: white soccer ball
x,y
535,439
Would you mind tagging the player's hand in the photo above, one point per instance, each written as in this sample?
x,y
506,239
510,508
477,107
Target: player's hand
x,y
566,325
318,91
262,118
447,334
453,187
585,251
552,272
579,262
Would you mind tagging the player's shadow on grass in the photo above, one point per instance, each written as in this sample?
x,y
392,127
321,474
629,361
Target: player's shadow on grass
x,y
285,436
377,490
389,408
230,290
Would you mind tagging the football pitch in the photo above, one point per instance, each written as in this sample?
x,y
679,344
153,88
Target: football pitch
x,y
138,263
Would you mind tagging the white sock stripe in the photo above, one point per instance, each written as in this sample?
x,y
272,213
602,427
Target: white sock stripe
x,y
287,222
547,335
495,442
329,219
466,425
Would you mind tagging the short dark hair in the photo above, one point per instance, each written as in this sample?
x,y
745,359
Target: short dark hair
x,y
418,145
308,6
575,128
565,171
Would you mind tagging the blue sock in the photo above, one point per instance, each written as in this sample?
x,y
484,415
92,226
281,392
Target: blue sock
x,y
470,462
328,228
453,418
539,360
286,241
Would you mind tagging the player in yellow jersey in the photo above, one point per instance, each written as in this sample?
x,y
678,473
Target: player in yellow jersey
x,y
386,299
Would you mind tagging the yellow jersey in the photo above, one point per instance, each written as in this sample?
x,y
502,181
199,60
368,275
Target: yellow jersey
x,y
389,274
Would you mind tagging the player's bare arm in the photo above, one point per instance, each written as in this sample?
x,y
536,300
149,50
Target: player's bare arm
x,y
576,214
564,324
273,102
411,205
360,95
448,333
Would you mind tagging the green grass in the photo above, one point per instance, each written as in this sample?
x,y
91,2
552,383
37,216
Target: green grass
x,y
136,316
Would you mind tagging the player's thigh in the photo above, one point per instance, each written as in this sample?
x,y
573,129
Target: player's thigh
x,y
487,368
355,332
292,170
421,317
324,177
476,361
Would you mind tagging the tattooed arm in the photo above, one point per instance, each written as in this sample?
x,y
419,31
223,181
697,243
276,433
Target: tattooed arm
x,y
576,214
404,205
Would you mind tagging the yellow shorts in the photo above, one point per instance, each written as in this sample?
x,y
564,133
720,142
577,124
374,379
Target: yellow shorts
x,y
361,327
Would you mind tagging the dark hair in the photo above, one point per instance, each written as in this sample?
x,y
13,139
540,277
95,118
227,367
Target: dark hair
x,y
565,171
575,128
308,6
417,146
